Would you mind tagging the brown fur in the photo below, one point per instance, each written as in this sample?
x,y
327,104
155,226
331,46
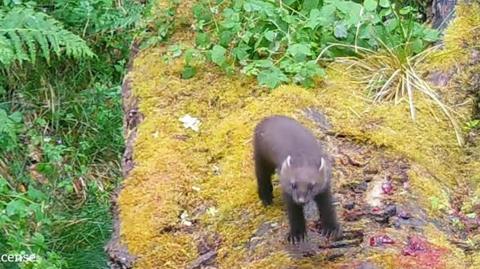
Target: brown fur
x,y
304,169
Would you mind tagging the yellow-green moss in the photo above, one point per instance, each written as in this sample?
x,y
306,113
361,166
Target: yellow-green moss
x,y
461,35
177,170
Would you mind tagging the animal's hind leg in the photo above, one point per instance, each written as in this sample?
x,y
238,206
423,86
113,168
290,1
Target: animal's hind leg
x,y
264,171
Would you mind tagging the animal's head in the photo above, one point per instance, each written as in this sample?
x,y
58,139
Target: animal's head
x,y
303,182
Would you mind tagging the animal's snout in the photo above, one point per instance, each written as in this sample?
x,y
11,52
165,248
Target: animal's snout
x,y
301,200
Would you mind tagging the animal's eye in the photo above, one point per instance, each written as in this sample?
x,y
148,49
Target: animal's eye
x,y
310,186
294,185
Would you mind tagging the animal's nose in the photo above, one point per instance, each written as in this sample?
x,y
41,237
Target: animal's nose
x,y
301,200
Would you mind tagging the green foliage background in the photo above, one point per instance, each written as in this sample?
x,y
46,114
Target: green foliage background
x,y
61,67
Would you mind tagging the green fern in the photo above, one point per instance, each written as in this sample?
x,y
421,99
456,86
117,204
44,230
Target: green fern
x,y
26,34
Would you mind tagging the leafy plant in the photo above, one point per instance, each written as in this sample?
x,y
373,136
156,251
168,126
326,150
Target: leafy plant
x,y
390,72
280,41
391,75
98,16
10,127
471,125
60,125
26,34
158,23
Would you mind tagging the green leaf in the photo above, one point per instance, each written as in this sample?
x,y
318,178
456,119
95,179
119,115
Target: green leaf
x,y
35,194
272,77
351,10
309,5
370,5
417,31
231,19
201,12
385,12
41,122
406,10
38,240
218,55
16,117
3,185
314,20
229,70
431,35
327,13
340,30
323,17
175,50
202,40
300,51
303,72
391,25
259,6
313,69
384,3
264,63
16,207
270,35
246,37
225,38
254,67
417,45
241,52
188,72
190,55
4,119
46,168
38,210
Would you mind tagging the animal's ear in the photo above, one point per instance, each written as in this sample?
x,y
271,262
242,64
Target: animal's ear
x,y
322,168
286,164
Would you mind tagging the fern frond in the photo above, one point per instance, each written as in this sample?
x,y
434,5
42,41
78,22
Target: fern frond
x,y
26,34
29,41
7,55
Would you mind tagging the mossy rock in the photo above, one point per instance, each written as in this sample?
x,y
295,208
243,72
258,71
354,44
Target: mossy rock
x,y
190,199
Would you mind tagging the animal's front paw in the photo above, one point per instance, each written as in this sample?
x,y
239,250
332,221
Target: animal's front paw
x,y
267,199
333,231
296,237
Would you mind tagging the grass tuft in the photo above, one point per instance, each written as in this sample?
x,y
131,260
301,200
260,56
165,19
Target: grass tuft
x,y
391,75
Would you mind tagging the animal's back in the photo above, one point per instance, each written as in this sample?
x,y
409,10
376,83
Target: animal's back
x,y
276,137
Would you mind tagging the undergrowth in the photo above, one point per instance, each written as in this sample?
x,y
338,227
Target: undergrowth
x,y
61,67
281,41
391,75
290,41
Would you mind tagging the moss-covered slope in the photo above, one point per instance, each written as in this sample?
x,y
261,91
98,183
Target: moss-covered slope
x,y
193,194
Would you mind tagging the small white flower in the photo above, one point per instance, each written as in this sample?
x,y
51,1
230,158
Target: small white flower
x,y
185,219
190,122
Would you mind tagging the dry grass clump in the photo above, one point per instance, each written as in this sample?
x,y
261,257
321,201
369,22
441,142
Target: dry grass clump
x,y
392,74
